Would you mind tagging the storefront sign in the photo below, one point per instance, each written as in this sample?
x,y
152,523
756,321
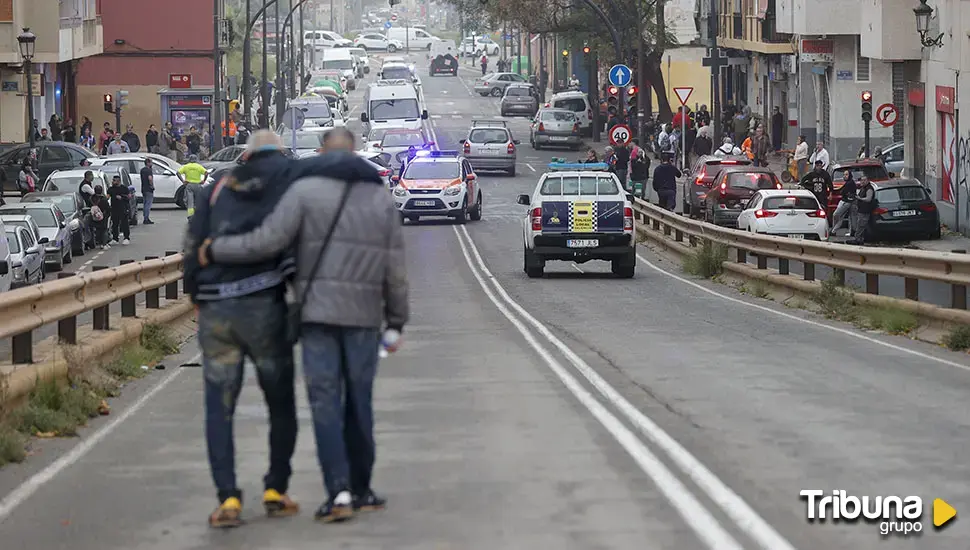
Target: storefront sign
x,y
817,51
179,81
944,99
190,101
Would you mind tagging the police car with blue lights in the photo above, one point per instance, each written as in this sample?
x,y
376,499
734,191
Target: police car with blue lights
x,y
437,183
578,213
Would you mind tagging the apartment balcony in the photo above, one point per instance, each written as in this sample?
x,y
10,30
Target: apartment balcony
x,y
753,34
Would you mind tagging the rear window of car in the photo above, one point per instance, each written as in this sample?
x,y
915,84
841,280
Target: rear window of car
x,y
575,105
489,135
751,180
901,194
875,172
575,185
558,116
518,92
790,203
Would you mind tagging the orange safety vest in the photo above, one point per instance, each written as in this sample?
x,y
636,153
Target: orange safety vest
x,y
746,148
232,128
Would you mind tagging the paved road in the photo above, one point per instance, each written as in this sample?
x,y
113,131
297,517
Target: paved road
x,y
576,412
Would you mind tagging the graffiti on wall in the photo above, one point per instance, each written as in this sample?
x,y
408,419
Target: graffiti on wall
x,y
949,149
963,148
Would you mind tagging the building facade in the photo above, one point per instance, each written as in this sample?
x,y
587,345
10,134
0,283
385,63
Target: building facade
x,y
67,31
149,48
682,65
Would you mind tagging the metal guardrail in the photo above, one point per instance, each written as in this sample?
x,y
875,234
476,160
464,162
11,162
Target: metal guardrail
x,y
911,265
30,308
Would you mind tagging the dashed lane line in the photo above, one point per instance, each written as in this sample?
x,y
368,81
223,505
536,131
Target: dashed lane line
x,y
530,167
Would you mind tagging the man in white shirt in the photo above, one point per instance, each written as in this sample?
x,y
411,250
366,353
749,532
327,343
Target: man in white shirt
x,y
727,149
118,146
820,154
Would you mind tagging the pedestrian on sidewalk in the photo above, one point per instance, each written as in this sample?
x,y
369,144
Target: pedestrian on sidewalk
x,y
350,284
151,139
665,182
117,145
120,210
728,149
132,139
704,141
846,204
639,169
484,63
865,202
801,157
100,209
760,146
777,128
821,154
228,298
147,191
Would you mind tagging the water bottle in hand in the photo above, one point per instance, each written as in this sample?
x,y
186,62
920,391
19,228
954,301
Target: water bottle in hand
x,y
389,340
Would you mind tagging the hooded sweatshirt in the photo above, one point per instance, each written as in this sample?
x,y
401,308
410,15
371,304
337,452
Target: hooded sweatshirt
x,y
242,201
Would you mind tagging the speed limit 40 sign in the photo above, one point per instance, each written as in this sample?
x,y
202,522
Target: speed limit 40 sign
x,y
620,135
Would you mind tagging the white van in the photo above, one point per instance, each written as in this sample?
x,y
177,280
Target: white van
x,y
340,59
6,277
412,38
392,104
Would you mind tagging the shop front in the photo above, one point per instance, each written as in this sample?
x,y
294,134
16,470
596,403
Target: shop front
x,y
187,108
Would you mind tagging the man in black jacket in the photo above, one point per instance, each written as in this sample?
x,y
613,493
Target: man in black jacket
x,y
120,205
621,160
230,296
819,182
639,169
665,182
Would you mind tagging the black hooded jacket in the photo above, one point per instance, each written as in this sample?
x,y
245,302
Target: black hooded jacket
x,y
243,199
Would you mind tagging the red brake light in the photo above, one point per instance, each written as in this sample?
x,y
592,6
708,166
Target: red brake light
x,y
384,173
777,186
627,219
542,127
537,219
589,113
928,207
817,214
576,128
880,211
764,214
723,186
729,162
511,148
467,149
701,176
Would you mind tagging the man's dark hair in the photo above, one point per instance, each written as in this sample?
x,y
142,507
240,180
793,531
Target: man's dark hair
x,y
337,132
89,174
148,161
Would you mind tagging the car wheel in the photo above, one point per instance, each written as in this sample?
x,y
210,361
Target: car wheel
x,y
68,258
496,92
391,48
511,171
536,146
462,215
532,266
476,214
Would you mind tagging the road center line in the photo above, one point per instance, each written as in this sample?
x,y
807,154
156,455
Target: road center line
x,y
530,167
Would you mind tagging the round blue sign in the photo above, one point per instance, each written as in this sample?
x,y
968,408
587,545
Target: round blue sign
x,y
387,24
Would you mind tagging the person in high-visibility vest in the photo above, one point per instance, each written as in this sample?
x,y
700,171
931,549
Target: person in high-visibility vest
x,y
231,138
194,174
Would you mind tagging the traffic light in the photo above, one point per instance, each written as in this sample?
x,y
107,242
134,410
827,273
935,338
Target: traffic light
x,y
586,50
867,106
565,54
612,100
632,91
109,103
122,97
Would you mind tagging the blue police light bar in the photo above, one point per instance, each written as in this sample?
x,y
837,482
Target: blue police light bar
x,y
437,154
578,166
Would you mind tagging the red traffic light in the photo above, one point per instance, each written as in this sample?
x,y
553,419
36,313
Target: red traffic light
x,y
107,98
632,90
614,90
586,49
866,96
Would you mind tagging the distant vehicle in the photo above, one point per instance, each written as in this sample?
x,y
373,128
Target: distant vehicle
x,y
377,41
51,156
53,227
25,259
489,145
555,128
340,59
904,209
397,143
444,58
392,104
792,213
381,162
578,103
472,45
412,38
732,189
519,99
699,180
325,39
72,206
438,183
168,183
494,83
578,213
893,158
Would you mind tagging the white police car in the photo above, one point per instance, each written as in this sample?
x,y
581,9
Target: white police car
x,y
578,213
437,183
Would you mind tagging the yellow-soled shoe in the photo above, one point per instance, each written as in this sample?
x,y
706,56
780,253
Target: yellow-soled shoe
x,y
278,505
227,515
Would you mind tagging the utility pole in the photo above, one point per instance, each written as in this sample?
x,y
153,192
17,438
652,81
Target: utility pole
x,y
642,93
217,78
302,50
292,56
279,88
331,15
264,84
247,67
661,43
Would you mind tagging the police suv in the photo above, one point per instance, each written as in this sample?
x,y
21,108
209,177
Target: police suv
x,y
578,213
437,183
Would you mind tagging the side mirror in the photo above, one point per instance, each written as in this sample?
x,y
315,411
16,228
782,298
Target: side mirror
x,y
32,250
395,179
524,200
892,174
424,115
470,177
928,191
62,225
516,142
462,141
630,197
43,240
363,117
4,268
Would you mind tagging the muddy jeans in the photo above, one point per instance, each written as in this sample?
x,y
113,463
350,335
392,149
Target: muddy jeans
x,y
227,337
861,226
339,364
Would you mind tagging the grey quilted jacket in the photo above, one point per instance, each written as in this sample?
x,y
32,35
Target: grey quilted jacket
x,y
362,280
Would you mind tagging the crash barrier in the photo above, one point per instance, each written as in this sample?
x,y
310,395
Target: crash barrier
x,y
912,266
24,310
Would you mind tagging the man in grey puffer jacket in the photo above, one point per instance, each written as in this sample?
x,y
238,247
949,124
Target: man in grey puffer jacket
x,y
359,289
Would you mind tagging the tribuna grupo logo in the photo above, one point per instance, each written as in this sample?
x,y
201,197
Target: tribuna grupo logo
x,y
895,515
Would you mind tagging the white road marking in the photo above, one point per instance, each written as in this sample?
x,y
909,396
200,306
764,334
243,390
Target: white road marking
x,y
840,330
691,510
530,167
456,116
435,116
746,518
27,489
577,268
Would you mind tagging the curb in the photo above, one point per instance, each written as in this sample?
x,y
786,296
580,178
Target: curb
x,y
24,378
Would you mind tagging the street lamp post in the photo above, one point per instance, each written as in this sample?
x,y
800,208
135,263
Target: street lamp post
x,y
247,52
923,15
27,40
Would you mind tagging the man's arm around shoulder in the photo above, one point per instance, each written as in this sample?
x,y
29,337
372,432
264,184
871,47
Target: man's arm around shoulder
x,y
277,232
195,235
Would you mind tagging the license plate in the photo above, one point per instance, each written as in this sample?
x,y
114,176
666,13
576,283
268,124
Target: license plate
x,y
491,152
796,236
582,243
557,138
902,213
423,203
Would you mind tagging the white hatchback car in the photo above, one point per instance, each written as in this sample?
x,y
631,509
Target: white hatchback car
x,y
167,180
793,213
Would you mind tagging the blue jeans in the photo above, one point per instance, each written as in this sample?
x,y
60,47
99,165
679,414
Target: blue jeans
x,y
146,207
339,364
227,336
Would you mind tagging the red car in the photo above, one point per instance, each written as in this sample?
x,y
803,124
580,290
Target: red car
x,y
870,168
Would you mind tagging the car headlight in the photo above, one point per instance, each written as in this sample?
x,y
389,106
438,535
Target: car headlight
x,y
400,192
74,225
453,190
18,271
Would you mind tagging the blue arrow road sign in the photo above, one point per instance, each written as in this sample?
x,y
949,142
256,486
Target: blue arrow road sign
x,y
387,24
620,75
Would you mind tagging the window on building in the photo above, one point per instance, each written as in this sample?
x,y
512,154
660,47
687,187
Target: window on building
x,y
861,63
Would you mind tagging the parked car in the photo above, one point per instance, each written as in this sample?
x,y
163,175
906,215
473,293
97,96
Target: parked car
x,y
51,156
26,259
53,226
70,203
519,99
698,182
732,190
892,157
495,83
555,128
22,220
167,181
871,168
904,210
792,213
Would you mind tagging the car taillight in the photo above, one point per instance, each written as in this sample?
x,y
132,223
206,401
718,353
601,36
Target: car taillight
x,y
880,211
589,113
542,127
729,162
777,186
627,219
576,128
467,149
764,214
537,219
723,186
511,148
817,214
701,176
927,207
384,173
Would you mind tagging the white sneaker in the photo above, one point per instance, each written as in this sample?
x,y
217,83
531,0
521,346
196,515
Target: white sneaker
x,y
343,498
126,242
106,247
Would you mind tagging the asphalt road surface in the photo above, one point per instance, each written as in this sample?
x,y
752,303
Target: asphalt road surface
x,y
575,411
